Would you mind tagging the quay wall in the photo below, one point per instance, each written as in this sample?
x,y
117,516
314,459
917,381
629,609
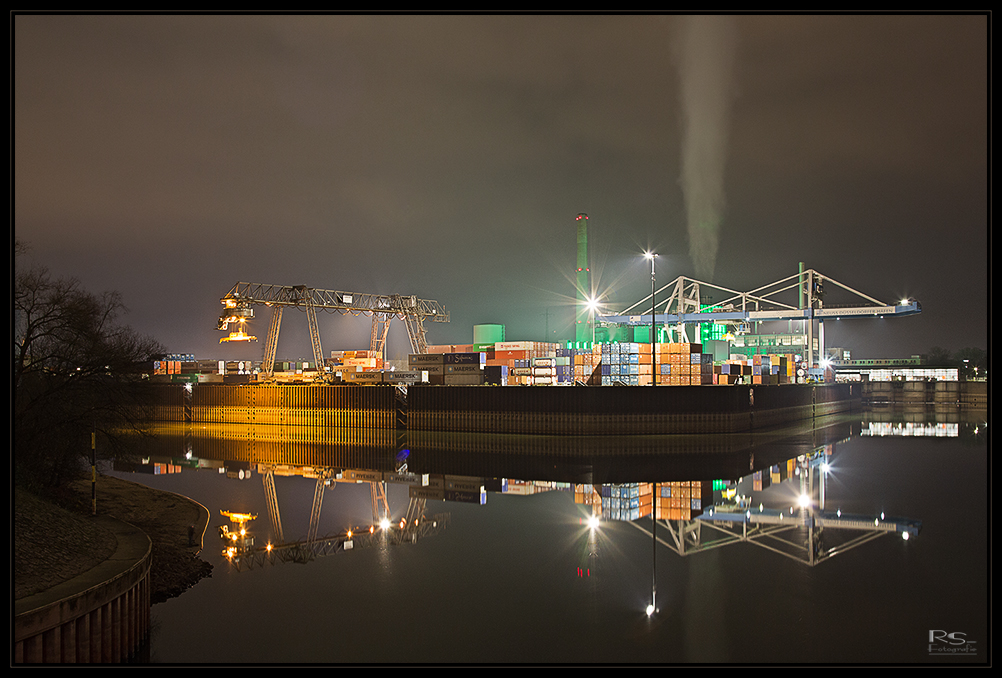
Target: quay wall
x,y
100,617
968,394
621,410
510,409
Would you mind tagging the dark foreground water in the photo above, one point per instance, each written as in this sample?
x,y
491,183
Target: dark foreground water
x,y
521,579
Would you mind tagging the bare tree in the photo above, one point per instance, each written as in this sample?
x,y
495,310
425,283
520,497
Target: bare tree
x,y
75,370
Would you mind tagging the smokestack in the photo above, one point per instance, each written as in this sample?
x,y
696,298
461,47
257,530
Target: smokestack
x,y
583,326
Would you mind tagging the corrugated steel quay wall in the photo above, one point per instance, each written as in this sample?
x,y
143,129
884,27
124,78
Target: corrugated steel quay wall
x,y
99,622
299,445
527,410
296,405
288,404
620,410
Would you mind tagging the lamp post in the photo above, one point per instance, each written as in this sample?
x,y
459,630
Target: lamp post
x,y
654,369
652,608
592,304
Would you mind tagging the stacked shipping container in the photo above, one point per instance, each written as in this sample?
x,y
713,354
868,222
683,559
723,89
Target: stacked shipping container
x,y
759,369
683,500
531,363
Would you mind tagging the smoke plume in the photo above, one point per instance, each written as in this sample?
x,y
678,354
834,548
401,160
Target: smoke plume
x,y
705,56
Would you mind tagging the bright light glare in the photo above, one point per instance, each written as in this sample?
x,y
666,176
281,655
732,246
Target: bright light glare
x,y
650,609
384,524
804,501
593,522
904,535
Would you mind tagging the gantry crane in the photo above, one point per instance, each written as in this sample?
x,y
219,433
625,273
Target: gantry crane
x,y
239,543
684,305
239,302
810,533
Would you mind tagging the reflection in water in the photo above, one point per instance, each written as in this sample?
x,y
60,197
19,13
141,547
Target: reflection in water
x,y
526,578
766,488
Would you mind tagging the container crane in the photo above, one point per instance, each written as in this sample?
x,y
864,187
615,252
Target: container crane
x,y
685,306
242,552
239,302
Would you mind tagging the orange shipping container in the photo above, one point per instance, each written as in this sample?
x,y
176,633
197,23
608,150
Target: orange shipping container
x,y
511,355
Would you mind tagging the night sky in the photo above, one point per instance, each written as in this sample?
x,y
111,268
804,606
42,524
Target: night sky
x,y
169,157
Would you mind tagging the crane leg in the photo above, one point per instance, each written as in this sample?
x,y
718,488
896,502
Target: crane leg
x,y
271,345
272,498
377,337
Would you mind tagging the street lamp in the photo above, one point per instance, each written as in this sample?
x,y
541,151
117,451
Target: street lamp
x,y
592,304
654,349
652,608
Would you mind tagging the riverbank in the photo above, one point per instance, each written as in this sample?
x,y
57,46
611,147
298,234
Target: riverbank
x,y
55,541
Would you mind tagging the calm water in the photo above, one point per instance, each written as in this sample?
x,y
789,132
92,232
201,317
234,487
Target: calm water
x,y
501,583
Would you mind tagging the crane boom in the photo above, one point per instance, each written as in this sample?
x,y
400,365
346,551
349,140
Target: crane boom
x,y
335,301
239,302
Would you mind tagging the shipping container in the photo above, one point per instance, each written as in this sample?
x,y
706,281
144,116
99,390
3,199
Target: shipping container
x,y
426,359
464,358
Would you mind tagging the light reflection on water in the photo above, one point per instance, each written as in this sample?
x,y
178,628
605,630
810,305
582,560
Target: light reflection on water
x,y
522,579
